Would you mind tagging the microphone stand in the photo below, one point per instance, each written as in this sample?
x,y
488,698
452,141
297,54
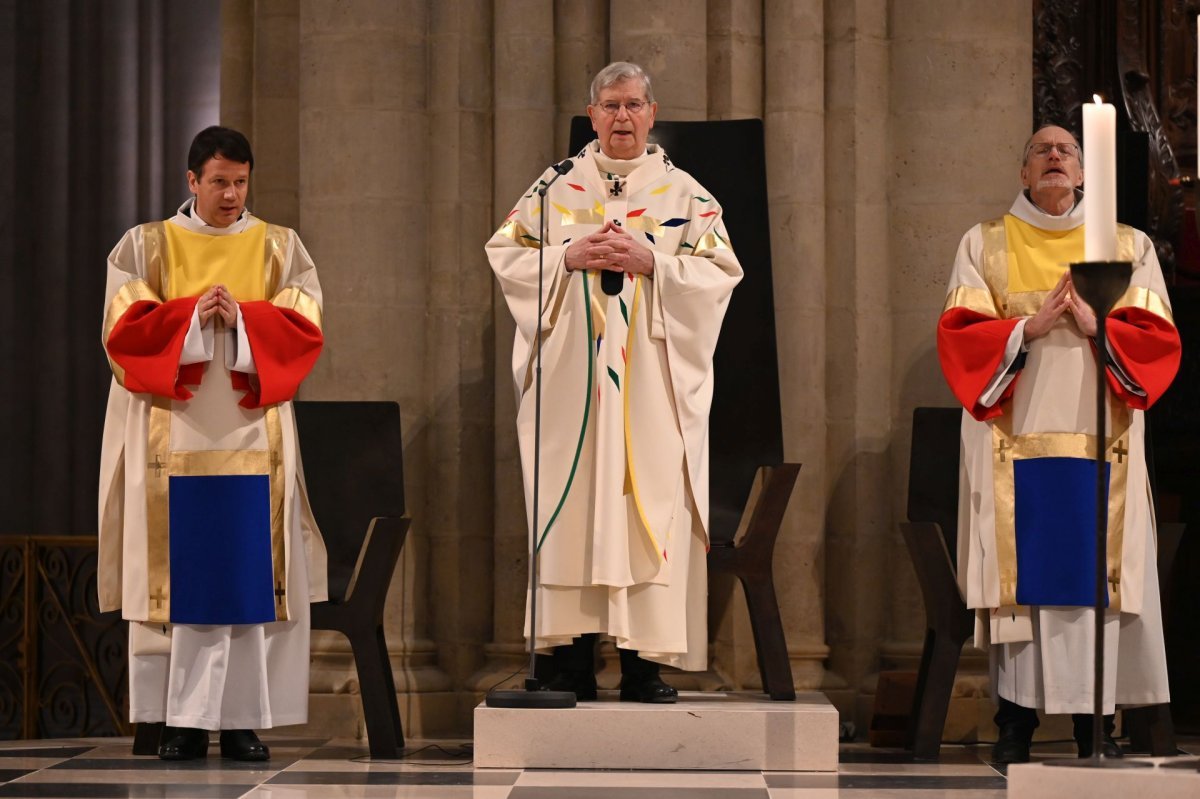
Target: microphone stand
x,y
533,696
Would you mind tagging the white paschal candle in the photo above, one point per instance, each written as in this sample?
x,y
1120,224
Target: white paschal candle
x,y
1100,181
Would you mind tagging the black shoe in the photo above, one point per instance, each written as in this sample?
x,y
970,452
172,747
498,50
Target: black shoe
x,y
1013,745
183,743
1083,736
652,691
1016,724
243,745
582,685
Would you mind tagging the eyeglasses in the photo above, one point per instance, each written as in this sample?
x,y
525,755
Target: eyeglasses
x,y
633,107
1065,149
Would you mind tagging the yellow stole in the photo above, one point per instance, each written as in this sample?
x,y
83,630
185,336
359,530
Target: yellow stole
x,y
198,261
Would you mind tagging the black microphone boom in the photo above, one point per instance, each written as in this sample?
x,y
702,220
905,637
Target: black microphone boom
x,y
534,696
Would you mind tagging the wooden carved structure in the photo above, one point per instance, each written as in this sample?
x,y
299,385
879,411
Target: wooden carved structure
x,y
1140,55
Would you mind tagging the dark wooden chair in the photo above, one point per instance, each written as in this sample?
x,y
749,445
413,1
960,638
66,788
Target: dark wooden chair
x,y
353,465
352,454
931,536
745,427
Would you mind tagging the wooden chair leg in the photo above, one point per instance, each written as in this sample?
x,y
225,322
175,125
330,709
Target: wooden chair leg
x,y
378,691
935,696
146,737
1150,730
773,663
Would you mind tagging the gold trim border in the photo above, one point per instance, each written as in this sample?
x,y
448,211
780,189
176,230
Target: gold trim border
x,y
158,537
1007,448
301,303
278,543
973,299
625,395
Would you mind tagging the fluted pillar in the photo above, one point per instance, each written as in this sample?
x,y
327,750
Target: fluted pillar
x,y
523,145
366,218
580,51
859,527
794,104
669,40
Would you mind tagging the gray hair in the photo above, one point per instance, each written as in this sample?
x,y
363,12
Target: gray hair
x,y
616,72
1043,126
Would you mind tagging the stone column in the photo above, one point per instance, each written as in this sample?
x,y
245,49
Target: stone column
x,y
365,218
459,356
735,59
858,326
960,104
794,105
580,51
668,40
523,146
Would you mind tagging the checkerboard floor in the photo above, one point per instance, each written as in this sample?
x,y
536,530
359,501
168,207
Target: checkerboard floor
x,y
99,768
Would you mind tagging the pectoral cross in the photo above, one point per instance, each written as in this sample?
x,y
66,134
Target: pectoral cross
x,y
1003,447
158,596
280,593
1120,451
616,188
158,466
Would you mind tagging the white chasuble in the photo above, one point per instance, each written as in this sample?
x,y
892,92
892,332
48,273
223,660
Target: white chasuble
x,y
627,385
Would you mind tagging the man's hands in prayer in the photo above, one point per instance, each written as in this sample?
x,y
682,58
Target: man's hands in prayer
x,y
1085,317
610,248
1062,298
217,301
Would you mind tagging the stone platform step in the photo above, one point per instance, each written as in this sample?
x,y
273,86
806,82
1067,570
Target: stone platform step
x,y
734,731
1169,778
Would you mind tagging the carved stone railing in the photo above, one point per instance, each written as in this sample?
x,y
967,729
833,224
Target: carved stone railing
x,y
63,670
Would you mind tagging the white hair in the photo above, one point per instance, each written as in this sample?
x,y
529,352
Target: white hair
x,y
616,72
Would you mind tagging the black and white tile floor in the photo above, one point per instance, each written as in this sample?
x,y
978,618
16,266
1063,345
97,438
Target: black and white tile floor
x,y
100,768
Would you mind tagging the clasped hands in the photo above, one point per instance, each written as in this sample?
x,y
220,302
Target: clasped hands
x,y
217,301
1062,299
610,248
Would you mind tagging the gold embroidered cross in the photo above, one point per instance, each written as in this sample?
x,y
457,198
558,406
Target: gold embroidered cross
x,y
280,593
1120,451
158,596
275,459
1003,447
158,466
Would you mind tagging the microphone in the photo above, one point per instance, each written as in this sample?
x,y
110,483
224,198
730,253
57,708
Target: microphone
x,y
611,282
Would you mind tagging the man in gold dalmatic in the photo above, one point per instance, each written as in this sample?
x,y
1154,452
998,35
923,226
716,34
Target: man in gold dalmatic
x,y
1016,344
207,545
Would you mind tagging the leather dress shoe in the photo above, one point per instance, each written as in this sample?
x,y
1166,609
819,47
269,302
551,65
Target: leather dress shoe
x,y
183,743
582,685
651,690
1012,746
1083,736
243,745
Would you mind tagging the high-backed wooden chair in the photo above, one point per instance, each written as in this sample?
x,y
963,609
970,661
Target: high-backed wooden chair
x,y
745,428
354,473
931,536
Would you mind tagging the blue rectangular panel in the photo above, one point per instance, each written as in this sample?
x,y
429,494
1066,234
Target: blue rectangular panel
x,y
1056,531
221,570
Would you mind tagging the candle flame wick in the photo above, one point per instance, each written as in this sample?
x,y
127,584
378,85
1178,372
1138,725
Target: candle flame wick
x,y
1098,99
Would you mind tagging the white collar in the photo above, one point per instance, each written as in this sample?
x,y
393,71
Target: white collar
x,y
1025,210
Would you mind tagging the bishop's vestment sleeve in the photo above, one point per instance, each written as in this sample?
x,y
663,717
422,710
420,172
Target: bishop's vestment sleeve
x,y
142,335
1141,333
691,291
972,336
284,333
513,253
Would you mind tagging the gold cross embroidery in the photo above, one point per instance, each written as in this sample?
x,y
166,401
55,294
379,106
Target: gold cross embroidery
x,y
1120,451
158,596
280,593
1003,447
158,466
